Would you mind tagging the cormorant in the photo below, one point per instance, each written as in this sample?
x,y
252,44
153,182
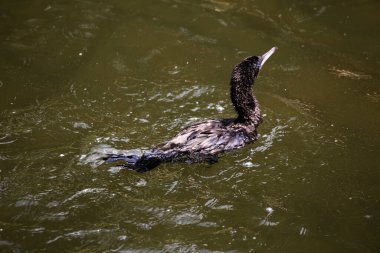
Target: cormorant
x,y
203,141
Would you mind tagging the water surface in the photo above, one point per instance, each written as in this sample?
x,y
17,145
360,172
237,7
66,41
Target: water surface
x,y
82,77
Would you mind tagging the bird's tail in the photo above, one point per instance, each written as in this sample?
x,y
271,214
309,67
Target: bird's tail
x,y
140,163
155,157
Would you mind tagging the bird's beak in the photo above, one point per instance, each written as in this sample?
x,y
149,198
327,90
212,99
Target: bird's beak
x,y
266,56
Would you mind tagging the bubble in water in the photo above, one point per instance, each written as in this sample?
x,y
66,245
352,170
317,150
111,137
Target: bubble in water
x,y
269,210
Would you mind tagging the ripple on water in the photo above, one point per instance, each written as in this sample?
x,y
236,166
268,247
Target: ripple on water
x,y
84,192
276,132
4,140
81,125
58,216
186,218
349,74
218,5
95,157
80,234
197,37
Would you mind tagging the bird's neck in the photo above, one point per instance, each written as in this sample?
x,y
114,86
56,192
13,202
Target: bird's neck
x,y
245,103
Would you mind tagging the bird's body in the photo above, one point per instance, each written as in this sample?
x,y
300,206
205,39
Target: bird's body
x,y
203,141
211,137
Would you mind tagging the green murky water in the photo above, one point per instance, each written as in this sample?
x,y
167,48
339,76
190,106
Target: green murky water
x,y
78,77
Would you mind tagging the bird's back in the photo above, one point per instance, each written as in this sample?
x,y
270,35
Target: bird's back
x,y
211,137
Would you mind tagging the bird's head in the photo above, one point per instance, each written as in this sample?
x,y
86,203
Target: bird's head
x,y
251,66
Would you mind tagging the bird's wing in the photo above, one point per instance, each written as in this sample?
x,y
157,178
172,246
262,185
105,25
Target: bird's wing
x,y
211,136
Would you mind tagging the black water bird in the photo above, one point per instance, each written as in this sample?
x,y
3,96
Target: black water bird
x,y
203,141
